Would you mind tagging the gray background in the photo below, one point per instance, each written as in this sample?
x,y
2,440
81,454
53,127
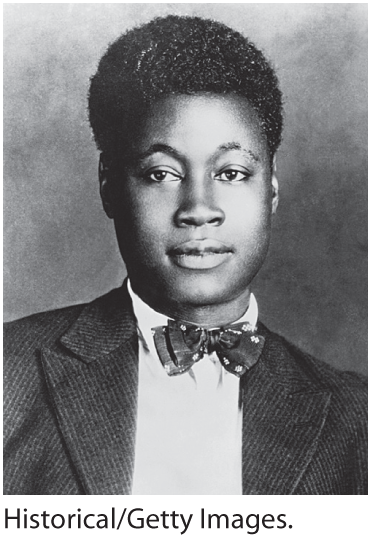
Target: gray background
x,y
59,247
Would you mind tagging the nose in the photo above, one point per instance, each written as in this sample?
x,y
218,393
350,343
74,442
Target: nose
x,y
198,205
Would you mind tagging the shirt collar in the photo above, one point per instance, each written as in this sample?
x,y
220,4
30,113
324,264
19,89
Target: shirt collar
x,y
147,318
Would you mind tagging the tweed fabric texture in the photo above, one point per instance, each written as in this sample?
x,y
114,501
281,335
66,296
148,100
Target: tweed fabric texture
x,y
70,387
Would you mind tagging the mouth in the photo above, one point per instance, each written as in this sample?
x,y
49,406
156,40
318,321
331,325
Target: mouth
x,y
200,254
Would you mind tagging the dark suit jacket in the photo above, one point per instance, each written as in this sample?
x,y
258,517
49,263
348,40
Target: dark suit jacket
x,y
71,380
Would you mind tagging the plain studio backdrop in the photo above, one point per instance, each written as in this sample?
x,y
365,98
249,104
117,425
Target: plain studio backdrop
x,y
60,248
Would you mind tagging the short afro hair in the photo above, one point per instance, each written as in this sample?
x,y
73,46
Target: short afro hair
x,y
179,55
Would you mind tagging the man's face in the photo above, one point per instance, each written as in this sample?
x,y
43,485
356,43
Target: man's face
x,y
192,210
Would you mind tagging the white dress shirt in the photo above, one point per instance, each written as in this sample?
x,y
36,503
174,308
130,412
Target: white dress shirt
x,y
189,427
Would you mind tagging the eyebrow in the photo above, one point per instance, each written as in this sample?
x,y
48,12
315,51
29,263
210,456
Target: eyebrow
x,y
230,146
168,150
159,148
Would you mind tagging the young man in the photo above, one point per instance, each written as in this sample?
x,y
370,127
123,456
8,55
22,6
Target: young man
x,y
170,384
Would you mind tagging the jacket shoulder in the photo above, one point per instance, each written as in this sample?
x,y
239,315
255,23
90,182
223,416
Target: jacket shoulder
x,y
25,388
22,342
23,335
24,338
348,389
326,375
339,465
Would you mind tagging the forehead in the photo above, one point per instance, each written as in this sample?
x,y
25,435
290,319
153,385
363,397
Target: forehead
x,y
201,123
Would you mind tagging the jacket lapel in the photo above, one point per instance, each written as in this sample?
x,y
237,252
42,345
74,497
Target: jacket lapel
x,y
92,375
283,414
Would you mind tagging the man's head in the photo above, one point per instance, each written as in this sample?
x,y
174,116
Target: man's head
x,y
178,55
187,114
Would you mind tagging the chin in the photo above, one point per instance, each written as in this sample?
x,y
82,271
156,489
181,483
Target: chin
x,y
202,292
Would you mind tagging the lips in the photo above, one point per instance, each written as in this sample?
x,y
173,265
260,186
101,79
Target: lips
x,y
200,254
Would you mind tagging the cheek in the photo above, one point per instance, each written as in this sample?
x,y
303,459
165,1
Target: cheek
x,y
249,213
142,222
250,220
151,218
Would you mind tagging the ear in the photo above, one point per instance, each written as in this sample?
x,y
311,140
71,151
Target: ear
x,y
105,186
274,184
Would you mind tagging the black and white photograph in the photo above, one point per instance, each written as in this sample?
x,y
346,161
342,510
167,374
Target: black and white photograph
x,y
185,249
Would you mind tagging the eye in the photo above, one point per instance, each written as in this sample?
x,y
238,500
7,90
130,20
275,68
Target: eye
x,y
233,175
162,176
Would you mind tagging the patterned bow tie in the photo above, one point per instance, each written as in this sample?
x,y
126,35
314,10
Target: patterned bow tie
x,y
180,346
